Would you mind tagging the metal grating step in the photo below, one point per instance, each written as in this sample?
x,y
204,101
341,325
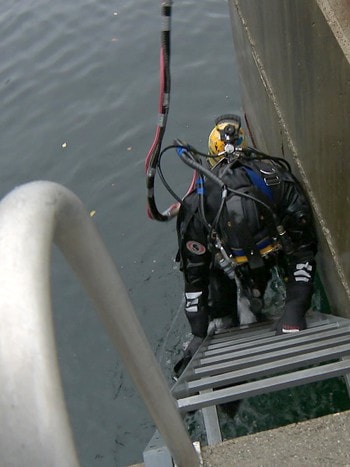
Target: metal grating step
x,y
263,370
270,344
240,363
314,334
275,383
240,360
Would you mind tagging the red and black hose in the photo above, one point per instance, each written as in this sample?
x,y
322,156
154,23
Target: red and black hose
x,y
152,158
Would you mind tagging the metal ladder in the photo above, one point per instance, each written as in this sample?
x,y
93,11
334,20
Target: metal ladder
x,y
245,362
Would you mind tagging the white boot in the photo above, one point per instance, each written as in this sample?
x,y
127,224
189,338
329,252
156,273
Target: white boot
x,y
245,315
217,324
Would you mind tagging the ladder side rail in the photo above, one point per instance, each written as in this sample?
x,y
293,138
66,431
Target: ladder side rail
x,y
31,397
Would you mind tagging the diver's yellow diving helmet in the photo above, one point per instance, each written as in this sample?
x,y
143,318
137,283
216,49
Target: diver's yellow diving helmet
x,y
227,130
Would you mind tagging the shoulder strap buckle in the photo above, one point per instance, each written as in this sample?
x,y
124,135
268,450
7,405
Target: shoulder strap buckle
x,y
272,179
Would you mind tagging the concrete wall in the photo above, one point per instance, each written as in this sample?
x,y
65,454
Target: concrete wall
x,y
295,78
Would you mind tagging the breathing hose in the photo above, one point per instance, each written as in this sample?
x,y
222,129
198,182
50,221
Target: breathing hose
x,y
163,110
153,156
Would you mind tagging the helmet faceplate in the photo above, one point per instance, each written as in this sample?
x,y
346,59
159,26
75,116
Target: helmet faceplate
x,y
227,130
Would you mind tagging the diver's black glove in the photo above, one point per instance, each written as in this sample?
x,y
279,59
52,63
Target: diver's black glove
x,y
190,350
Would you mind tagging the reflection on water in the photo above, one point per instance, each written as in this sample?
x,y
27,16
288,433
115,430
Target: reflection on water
x,y
79,94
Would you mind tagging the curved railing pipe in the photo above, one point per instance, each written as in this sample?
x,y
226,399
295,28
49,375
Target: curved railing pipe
x,y
34,424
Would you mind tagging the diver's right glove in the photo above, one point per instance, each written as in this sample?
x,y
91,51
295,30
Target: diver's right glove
x,y
190,350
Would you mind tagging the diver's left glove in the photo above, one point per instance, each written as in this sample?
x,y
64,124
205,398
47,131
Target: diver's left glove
x,y
190,350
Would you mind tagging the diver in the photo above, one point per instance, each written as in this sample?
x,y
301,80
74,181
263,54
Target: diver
x,y
249,216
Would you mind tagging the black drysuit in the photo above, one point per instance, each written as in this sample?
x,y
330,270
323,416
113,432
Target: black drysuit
x,y
246,228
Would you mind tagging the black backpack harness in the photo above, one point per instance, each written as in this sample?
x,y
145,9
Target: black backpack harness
x,y
232,228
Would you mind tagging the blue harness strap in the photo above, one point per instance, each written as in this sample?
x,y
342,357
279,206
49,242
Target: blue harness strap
x,y
259,182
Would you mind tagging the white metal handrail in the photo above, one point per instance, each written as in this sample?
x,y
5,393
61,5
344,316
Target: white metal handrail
x,y
34,425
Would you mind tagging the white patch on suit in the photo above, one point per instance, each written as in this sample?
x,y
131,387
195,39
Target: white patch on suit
x,y
303,272
192,300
